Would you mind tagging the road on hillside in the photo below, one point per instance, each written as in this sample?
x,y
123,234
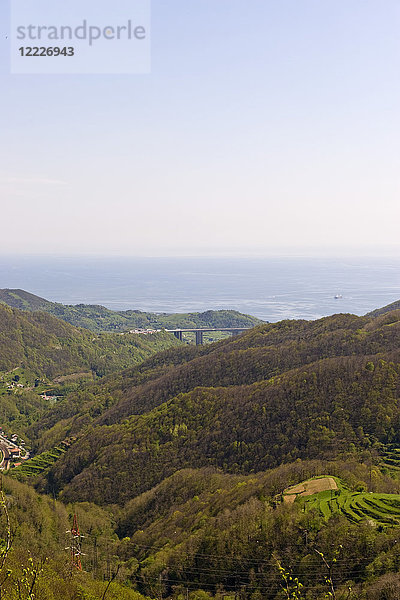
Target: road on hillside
x,y
5,456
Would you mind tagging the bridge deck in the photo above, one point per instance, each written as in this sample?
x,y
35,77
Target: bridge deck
x,y
206,329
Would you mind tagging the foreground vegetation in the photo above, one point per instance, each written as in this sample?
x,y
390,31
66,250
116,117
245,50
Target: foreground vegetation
x,y
34,561
227,532
208,534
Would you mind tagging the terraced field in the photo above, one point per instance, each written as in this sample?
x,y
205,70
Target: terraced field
x,y
38,464
391,459
379,509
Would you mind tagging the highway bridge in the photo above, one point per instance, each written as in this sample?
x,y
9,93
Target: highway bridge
x,y
178,333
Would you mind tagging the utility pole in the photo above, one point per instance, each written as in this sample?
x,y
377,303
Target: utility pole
x,y
108,563
75,545
160,594
95,559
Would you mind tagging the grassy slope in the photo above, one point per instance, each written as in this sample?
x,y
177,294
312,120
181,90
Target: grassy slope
x,y
98,318
379,508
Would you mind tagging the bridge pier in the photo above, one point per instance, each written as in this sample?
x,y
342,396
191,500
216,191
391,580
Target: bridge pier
x,y
199,338
178,333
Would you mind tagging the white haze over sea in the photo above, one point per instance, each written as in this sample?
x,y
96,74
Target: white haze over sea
x,y
269,288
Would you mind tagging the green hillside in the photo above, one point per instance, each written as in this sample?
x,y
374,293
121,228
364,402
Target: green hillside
x,y
205,528
188,457
254,357
37,465
381,509
48,347
199,531
201,528
98,318
355,505
278,393
385,309
35,561
39,352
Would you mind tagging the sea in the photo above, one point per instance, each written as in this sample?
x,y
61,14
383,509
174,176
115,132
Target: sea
x,y
271,288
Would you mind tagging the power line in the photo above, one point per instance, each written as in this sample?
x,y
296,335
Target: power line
x,y
226,557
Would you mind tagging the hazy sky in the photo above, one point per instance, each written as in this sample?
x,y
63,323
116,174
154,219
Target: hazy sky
x,y
263,124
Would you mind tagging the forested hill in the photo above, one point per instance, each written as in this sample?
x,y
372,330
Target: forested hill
x,y
385,309
202,531
48,347
183,448
98,318
282,391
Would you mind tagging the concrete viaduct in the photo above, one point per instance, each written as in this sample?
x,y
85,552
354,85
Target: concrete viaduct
x,y
178,333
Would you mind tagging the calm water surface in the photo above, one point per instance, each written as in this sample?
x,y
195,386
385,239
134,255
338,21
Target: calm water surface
x,y
269,288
